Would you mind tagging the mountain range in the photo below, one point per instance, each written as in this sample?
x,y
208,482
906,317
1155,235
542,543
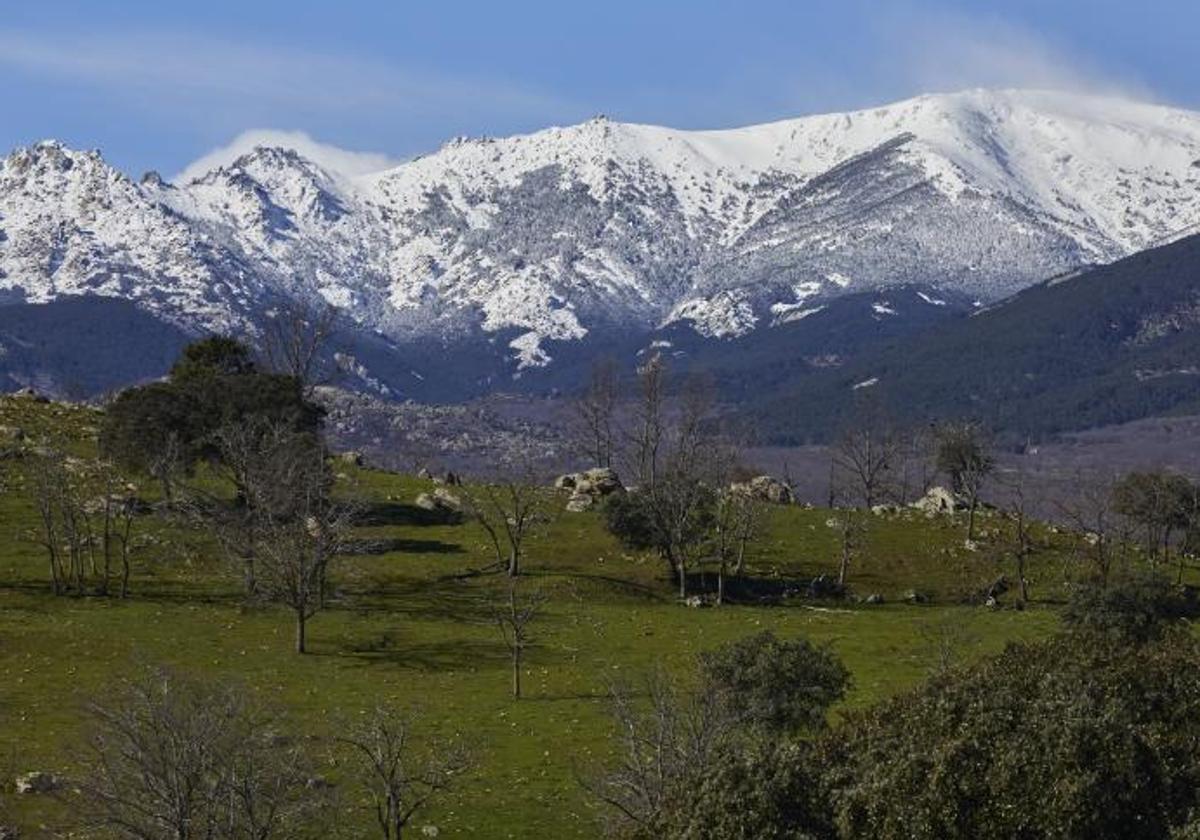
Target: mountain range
x,y
505,263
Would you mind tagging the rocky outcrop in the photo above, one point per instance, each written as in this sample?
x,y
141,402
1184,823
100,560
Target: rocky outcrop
x,y
765,488
939,500
589,487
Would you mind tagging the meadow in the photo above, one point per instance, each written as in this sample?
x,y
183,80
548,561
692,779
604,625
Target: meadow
x,y
410,624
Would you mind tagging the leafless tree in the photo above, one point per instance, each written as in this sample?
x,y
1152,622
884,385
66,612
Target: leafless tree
x,y
115,512
649,420
1101,530
1020,542
964,454
662,743
513,618
302,529
866,458
595,414
399,773
508,509
64,531
739,521
295,339
283,528
851,526
174,757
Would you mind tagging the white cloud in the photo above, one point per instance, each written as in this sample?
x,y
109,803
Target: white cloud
x,y
330,158
945,51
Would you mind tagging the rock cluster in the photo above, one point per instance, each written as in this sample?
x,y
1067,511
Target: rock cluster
x,y
588,487
939,500
765,488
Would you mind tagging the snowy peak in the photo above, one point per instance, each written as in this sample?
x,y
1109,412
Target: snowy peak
x,y
569,233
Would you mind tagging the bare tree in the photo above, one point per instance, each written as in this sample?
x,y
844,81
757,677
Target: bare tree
x,y
513,618
1101,529
115,511
964,454
173,757
866,458
662,744
650,420
302,529
1020,543
400,774
595,414
64,529
508,510
739,521
295,339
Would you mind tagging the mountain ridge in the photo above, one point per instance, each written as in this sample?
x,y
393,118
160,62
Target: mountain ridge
x,y
567,234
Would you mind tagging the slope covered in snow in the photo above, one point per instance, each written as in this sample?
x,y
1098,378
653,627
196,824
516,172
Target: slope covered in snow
x,y
574,232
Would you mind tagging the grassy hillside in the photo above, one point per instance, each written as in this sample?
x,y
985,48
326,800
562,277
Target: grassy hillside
x,y
408,628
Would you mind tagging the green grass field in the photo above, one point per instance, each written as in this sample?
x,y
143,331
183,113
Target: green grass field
x,y
407,629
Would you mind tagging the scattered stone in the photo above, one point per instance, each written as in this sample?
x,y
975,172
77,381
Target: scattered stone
x,y
10,832
912,596
352,458
430,831
424,473
694,601
885,510
565,482
37,781
991,603
442,502
873,598
765,488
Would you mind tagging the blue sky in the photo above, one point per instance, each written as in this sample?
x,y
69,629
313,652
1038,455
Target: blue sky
x,y
159,84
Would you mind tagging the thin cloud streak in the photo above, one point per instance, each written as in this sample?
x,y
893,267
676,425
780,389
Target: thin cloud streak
x,y
171,67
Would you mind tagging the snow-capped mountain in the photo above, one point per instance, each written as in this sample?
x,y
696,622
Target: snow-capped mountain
x,y
567,233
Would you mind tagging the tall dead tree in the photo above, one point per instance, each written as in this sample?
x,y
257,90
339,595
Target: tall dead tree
x,y
649,420
595,414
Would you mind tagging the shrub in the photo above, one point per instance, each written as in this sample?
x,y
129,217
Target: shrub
x,y
1137,609
1079,736
770,684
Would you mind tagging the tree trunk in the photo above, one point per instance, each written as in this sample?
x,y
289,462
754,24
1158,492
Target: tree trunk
x,y
514,563
301,630
516,674
721,584
682,571
971,518
248,577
